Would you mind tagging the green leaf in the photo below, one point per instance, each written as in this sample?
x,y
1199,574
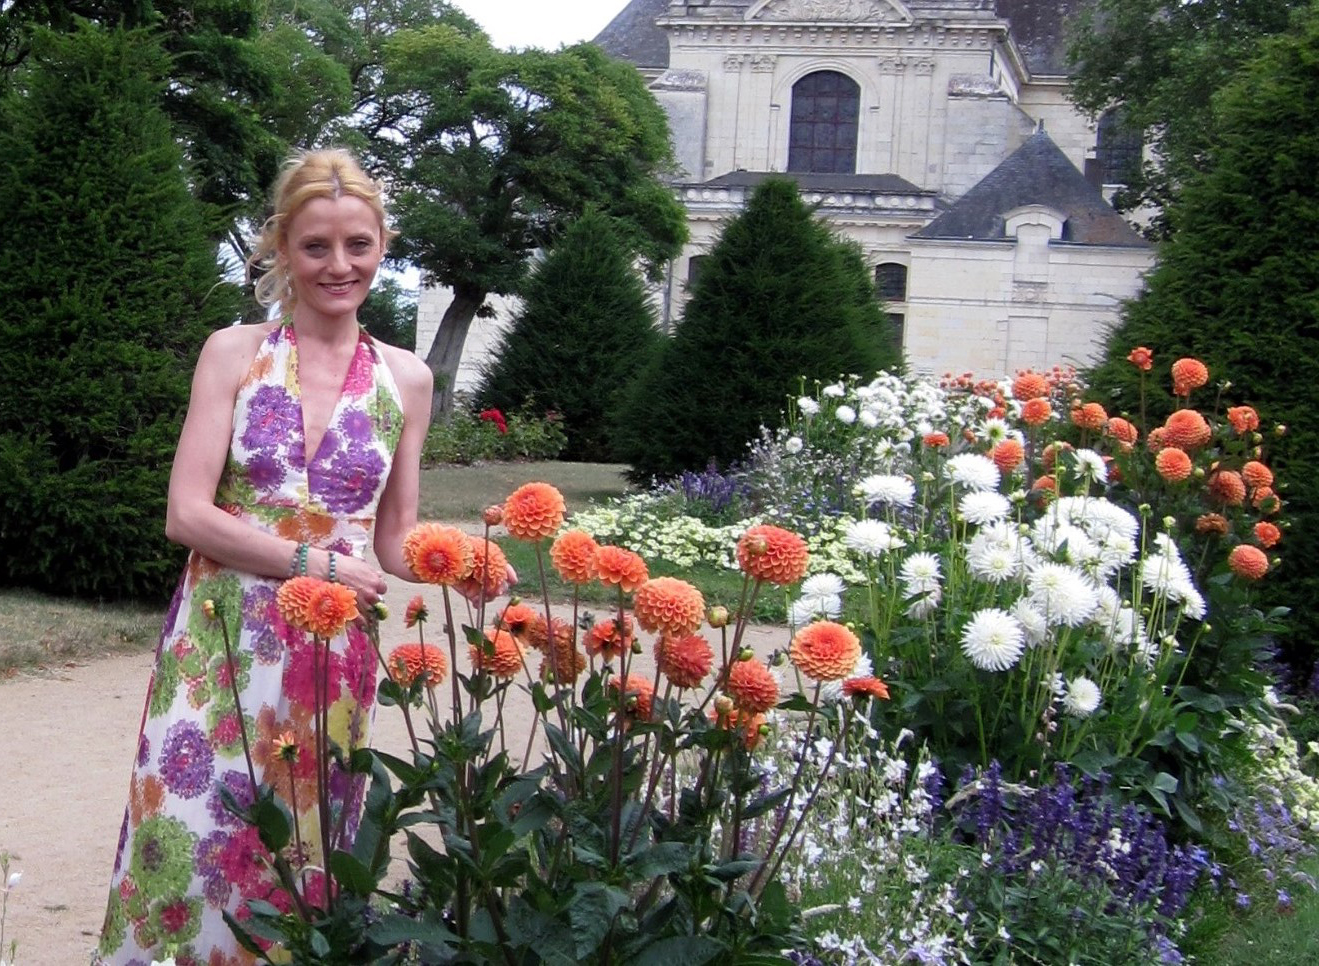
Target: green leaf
x,y
272,820
680,951
319,944
765,803
591,911
394,928
352,874
661,859
1164,782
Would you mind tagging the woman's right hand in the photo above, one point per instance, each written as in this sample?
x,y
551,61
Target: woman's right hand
x,y
358,576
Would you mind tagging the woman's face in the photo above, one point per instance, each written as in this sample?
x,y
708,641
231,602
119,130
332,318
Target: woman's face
x,y
333,249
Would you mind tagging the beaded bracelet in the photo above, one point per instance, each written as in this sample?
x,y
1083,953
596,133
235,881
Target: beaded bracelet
x,y
299,561
334,578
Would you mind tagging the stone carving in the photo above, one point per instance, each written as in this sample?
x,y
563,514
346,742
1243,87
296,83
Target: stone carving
x,y
681,80
844,11
763,63
734,61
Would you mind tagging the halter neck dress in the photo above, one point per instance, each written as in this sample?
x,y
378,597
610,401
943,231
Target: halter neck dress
x,y
183,859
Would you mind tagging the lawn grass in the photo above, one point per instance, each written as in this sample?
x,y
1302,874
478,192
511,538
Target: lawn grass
x,y
1267,936
37,630
459,493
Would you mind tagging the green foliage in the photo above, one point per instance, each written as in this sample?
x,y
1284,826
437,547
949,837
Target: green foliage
x,y
1163,61
1236,288
492,153
108,286
390,314
584,330
781,298
465,437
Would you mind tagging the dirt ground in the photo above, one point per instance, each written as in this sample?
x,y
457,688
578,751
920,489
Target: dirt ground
x,y
67,740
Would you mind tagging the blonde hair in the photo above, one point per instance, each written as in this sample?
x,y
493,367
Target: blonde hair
x,y
328,173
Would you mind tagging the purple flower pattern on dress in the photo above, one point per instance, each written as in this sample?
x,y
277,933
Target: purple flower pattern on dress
x,y
185,760
351,479
273,416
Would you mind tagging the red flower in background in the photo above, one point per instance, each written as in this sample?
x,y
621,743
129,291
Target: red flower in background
x,y
496,417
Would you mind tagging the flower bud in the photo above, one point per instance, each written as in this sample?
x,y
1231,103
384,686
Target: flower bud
x,y
1169,522
745,654
1257,437
493,515
1199,472
1280,430
757,546
764,730
380,610
723,705
636,647
718,616
778,659
208,608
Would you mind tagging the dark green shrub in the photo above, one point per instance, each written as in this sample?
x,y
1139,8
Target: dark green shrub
x,y
584,331
108,286
1237,287
781,298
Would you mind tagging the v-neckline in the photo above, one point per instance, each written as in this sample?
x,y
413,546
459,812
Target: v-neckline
x,y
310,456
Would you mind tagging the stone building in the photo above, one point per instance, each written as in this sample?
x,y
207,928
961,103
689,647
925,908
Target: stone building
x,y
936,133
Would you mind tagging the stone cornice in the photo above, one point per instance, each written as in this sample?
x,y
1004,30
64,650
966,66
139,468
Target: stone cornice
x,y
855,206
923,35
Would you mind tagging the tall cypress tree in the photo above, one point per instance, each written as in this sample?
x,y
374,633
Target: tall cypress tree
x,y
584,331
1237,286
108,286
781,297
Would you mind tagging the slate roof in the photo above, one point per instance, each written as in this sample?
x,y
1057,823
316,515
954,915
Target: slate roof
x,y
634,36
1038,26
888,184
1037,173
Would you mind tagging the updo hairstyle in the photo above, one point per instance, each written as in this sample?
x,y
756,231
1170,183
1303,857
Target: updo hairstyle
x,y
329,173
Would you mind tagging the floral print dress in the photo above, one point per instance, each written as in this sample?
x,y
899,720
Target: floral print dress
x,y
183,859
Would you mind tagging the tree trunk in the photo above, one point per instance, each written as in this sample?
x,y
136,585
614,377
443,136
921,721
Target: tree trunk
x,y
447,349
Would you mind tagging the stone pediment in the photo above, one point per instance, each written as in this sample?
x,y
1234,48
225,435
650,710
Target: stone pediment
x,y
833,11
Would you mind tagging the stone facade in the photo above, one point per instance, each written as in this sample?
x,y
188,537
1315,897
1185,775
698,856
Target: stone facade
x,y
966,170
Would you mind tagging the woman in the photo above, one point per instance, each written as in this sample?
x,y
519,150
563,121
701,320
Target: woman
x,y
302,436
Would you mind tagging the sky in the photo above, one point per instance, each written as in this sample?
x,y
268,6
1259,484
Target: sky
x,y
541,23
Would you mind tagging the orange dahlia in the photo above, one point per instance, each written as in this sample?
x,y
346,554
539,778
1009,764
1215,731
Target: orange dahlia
x,y
573,555
1029,385
1089,415
608,638
1036,411
1049,456
489,577
1250,563
1267,533
1154,441
563,663
533,511
1186,429
1142,358
872,686
1244,419
669,606
1123,431
1173,464
638,695
1265,500
415,613
1227,487
1256,475
615,565
316,606
773,554
515,618
752,686
935,440
537,632
825,651
1046,484
438,554
1188,374
407,662
1208,523
749,726
684,660
1007,455
501,655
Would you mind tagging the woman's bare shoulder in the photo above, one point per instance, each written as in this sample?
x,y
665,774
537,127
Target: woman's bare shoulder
x,y
408,369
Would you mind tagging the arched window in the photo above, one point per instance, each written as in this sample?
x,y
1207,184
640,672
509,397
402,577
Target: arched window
x,y
822,132
695,266
1117,151
891,282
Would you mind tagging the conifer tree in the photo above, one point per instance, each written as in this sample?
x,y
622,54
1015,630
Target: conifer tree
x,y
584,330
781,298
1237,286
108,287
